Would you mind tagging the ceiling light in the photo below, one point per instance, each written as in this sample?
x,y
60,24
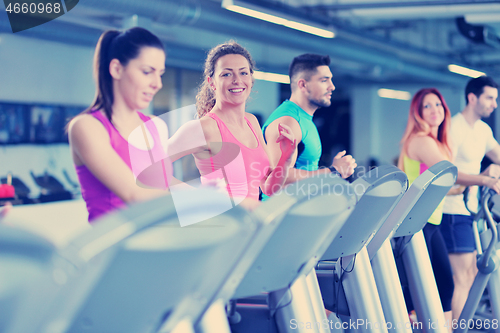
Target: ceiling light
x,y
482,18
272,77
465,71
394,94
276,18
422,9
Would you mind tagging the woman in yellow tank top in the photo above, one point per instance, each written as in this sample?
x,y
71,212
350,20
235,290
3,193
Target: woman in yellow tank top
x,y
425,143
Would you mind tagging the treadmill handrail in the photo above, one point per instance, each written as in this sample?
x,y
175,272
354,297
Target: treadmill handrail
x,y
257,271
408,201
374,179
111,229
485,257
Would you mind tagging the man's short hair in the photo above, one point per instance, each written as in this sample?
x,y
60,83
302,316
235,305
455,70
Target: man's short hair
x,y
307,64
476,86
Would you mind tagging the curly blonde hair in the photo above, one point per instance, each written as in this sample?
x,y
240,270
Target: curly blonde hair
x,y
205,99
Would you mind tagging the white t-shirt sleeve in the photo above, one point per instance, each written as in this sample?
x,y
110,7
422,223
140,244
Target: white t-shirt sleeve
x,y
455,137
490,140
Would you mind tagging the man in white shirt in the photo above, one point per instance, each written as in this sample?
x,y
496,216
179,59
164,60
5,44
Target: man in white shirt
x,y
471,140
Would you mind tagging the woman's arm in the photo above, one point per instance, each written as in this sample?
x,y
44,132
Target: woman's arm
x,y
345,164
276,178
425,150
190,138
89,142
162,128
5,210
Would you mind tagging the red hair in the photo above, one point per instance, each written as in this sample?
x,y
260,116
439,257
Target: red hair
x,y
418,126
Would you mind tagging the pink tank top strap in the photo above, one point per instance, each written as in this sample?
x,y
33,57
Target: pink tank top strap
x,y
243,172
113,133
253,131
226,134
150,166
224,131
120,144
150,126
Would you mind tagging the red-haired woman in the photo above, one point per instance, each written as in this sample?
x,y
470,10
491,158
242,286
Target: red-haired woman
x,y
425,143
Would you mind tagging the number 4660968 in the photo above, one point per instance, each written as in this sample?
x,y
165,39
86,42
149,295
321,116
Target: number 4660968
x,y
34,8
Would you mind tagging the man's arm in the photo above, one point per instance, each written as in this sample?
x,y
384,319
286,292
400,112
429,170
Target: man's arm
x,y
298,174
494,154
481,180
488,177
344,164
426,150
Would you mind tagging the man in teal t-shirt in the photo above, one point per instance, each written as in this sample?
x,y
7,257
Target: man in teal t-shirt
x,y
312,87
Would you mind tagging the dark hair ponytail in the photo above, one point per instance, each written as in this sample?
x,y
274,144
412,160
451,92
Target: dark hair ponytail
x,y
104,92
123,46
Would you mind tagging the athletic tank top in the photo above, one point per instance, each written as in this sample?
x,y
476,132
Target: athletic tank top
x,y
151,167
241,168
413,169
310,146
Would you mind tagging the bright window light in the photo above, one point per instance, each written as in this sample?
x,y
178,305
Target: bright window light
x,y
394,94
258,14
446,10
272,77
465,71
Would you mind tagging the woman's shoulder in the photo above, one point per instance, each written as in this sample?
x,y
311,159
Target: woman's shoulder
x,y
205,125
81,120
207,119
253,120
85,122
208,124
423,138
250,116
421,143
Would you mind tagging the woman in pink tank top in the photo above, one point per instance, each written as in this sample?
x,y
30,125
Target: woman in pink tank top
x,y
227,142
114,146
